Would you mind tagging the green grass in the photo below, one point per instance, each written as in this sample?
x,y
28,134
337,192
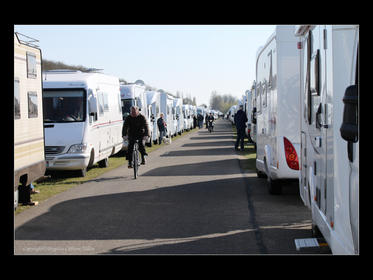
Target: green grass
x,y
69,179
249,153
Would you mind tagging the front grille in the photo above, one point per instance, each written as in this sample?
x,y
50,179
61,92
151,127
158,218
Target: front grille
x,y
52,150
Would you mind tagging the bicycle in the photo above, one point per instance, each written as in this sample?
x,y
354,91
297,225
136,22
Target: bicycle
x,y
136,159
210,126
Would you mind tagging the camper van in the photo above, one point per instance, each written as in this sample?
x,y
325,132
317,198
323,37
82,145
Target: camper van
x,y
134,95
29,160
178,103
247,109
166,106
252,114
329,178
187,115
153,101
82,119
277,114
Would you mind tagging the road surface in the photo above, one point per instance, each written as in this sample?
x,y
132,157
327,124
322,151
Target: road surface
x,y
192,197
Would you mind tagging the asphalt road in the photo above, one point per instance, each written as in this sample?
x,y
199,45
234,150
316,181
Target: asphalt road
x,y
192,197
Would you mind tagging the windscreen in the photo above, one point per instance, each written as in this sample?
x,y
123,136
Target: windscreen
x,y
64,105
126,107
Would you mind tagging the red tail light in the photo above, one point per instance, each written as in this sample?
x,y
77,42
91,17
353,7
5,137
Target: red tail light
x,y
291,155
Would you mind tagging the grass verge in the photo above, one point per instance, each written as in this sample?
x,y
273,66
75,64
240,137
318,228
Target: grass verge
x,y
249,154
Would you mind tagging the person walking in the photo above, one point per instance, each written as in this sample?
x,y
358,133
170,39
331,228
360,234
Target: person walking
x,y
240,120
162,126
135,127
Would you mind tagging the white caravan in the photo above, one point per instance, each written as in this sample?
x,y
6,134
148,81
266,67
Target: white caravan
x,y
329,178
178,105
29,161
247,110
252,114
82,119
277,87
153,101
188,116
134,95
166,106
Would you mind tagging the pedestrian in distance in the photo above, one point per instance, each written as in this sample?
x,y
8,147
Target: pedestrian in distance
x,y
200,120
135,127
240,120
162,127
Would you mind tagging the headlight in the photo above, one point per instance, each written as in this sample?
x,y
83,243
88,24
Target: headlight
x,y
78,148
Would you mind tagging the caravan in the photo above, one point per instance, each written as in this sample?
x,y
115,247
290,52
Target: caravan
x,y
178,103
252,114
134,95
277,114
153,101
188,117
82,119
166,106
29,160
329,178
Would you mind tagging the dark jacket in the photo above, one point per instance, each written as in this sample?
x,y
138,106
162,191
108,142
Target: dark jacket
x,y
161,124
135,127
240,120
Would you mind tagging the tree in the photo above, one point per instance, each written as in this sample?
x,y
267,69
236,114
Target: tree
x,y
222,102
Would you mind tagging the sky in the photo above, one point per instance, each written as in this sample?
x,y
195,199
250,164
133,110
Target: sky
x,y
191,59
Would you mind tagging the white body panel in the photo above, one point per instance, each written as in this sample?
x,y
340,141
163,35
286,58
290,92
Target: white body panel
x,y
101,134
154,103
277,88
329,182
178,105
166,106
29,160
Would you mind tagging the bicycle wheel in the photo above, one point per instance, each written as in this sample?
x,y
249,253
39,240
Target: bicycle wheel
x,y
135,161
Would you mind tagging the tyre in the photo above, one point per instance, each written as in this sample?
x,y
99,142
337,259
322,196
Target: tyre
x,y
274,186
82,172
135,161
103,163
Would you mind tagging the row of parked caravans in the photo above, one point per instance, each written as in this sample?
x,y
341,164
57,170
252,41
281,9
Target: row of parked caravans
x,y
69,120
303,118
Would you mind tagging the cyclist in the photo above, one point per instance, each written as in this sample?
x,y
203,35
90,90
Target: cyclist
x,y
210,118
135,127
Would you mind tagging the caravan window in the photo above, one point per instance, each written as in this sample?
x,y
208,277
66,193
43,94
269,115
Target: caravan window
x,y
315,73
106,102
32,104
64,105
31,65
100,103
259,98
17,106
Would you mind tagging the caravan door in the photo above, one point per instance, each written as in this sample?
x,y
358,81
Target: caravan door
x,y
316,109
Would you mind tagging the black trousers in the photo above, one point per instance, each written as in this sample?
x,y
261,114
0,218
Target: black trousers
x,y
240,138
131,143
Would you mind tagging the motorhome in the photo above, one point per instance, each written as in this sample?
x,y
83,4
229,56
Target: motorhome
x,y
166,106
277,87
329,178
153,101
252,114
187,115
232,112
133,94
82,119
29,158
178,103
247,110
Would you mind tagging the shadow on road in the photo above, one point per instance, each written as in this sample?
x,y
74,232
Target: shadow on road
x,y
219,167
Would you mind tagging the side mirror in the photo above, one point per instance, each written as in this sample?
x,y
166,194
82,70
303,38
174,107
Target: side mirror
x,y
349,127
